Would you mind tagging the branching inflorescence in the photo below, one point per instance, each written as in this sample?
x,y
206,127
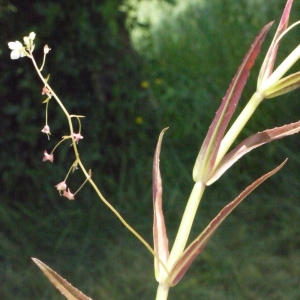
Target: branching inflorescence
x,y
212,161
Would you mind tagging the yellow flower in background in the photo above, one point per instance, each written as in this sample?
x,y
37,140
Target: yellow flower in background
x,y
139,120
158,80
145,84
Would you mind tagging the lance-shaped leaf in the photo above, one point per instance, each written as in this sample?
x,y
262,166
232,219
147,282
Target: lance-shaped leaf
x,y
251,143
160,238
188,256
70,292
269,61
207,156
284,85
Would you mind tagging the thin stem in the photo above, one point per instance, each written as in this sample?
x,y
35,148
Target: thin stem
x,y
88,176
47,112
118,214
62,140
79,125
59,103
186,223
81,186
44,59
70,171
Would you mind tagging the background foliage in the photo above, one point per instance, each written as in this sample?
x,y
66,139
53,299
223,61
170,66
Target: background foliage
x,y
133,68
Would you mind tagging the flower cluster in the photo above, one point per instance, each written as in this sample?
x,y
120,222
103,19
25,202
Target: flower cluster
x,y
19,50
61,187
26,49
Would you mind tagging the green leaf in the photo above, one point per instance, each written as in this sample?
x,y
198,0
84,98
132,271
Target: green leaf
x,y
269,61
252,142
206,158
284,85
196,247
161,247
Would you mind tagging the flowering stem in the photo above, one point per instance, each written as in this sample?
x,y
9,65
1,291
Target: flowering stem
x,y
186,223
86,173
70,171
81,186
63,139
46,122
238,125
79,124
114,210
59,103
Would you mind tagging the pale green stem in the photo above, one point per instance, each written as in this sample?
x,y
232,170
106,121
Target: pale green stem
x,y
62,140
47,104
238,125
186,223
59,103
81,186
162,292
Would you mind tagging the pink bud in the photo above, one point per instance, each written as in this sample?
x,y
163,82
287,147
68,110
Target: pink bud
x,y
46,129
68,195
61,186
47,156
77,137
45,91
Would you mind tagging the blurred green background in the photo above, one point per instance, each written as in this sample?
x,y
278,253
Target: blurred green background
x,y
132,68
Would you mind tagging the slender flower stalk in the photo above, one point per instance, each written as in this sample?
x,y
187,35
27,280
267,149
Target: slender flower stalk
x,y
46,51
22,51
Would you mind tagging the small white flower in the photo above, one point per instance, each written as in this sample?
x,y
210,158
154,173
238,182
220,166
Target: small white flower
x,y
46,49
32,36
28,41
17,50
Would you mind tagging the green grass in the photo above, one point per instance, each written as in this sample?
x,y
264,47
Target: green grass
x,y
254,255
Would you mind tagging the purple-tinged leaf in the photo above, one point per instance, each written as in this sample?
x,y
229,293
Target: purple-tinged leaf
x,y
284,85
209,150
189,255
269,61
70,292
160,238
251,143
